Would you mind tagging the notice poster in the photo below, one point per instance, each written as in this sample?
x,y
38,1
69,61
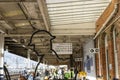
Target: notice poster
x,y
88,63
63,48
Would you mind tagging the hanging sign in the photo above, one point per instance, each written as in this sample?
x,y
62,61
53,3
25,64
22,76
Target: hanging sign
x,y
63,48
93,50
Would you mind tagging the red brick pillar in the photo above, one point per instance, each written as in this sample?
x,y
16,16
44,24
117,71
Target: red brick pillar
x,y
97,64
103,56
118,39
111,55
118,47
97,59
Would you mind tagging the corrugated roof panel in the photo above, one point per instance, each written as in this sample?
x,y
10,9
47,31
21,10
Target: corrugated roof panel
x,y
62,12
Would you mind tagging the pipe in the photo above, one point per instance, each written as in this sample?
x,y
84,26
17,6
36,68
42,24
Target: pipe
x,y
99,58
111,23
104,25
19,19
115,55
27,1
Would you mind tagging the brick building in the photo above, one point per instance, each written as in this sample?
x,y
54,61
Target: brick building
x,y
108,41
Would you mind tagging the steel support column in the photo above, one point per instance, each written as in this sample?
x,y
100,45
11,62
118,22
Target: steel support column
x,y
1,56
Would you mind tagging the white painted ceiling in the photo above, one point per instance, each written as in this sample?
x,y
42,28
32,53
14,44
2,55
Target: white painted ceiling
x,y
71,21
75,17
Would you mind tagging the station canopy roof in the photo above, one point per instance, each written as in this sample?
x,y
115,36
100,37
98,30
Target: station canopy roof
x,y
71,21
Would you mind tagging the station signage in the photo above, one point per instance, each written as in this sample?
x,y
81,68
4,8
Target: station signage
x,y
63,48
94,50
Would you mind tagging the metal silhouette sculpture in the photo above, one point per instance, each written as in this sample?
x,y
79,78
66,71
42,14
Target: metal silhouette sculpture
x,y
51,47
42,55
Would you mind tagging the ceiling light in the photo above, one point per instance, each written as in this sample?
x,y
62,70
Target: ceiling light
x,y
23,46
14,40
22,24
13,13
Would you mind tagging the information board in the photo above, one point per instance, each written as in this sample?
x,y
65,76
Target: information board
x,y
63,48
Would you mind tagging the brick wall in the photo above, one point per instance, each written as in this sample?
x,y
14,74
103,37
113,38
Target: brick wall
x,y
97,60
111,54
111,61
102,55
97,64
118,46
103,62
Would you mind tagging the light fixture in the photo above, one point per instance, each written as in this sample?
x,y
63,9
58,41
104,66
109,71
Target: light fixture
x,y
22,24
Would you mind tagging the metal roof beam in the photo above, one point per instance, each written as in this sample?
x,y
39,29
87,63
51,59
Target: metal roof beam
x,y
75,14
67,23
26,15
12,26
74,11
42,10
56,34
3,1
74,31
27,35
8,19
75,26
2,29
76,19
70,1
73,8
74,34
80,20
80,13
71,23
78,4
72,16
64,32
